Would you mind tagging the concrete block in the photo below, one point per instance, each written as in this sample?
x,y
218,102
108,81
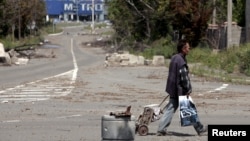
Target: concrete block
x,y
158,60
2,51
121,128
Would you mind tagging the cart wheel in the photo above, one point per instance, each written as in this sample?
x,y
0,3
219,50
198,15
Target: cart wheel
x,y
143,130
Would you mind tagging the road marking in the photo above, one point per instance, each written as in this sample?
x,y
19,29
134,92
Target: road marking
x,y
74,62
61,117
219,89
44,89
10,121
224,86
71,116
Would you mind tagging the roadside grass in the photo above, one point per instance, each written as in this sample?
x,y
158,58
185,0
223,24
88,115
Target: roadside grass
x,y
33,40
24,43
162,47
228,65
97,25
49,28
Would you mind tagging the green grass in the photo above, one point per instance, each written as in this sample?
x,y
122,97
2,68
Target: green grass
x,y
230,65
49,28
32,40
52,29
162,47
225,65
23,43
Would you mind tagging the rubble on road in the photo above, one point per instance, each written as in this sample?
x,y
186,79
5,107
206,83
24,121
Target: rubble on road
x,y
127,59
21,56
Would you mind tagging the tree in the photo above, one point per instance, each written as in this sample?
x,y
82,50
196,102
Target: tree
x,y
145,21
238,11
190,18
247,15
140,21
121,19
18,15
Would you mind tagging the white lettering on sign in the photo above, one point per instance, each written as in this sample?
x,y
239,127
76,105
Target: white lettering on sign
x,y
83,7
89,7
68,6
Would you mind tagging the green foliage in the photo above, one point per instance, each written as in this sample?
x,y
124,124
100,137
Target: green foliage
x,y
238,11
52,29
164,47
199,55
190,18
146,21
229,59
206,61
223,63
244,61
8,43
29,41
17,17
138,21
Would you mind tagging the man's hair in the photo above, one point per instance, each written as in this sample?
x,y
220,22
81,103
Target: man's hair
x,y
181,44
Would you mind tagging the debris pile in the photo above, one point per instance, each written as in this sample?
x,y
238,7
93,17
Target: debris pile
x,y
21,56
127,59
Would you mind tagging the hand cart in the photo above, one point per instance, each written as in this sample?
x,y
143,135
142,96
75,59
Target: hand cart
x,y
150,114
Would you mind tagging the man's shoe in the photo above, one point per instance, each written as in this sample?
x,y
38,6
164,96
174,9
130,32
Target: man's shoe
x,y
202,131
161,134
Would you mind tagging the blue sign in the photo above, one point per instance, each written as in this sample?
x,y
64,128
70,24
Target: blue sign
x,y
81,7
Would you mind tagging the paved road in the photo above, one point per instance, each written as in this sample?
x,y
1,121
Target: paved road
x,y
67,105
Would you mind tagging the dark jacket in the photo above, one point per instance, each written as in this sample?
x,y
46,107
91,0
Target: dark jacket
x,y
178,82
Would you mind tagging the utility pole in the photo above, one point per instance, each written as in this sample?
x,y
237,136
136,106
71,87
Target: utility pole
x,y
93,16
19,20
214,27
247,16
35,16
77,10
229,23
214,13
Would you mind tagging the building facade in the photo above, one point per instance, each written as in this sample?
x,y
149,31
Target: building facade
x,y
75,10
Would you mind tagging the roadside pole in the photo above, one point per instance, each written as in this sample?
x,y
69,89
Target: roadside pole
x,y
229,23
93,17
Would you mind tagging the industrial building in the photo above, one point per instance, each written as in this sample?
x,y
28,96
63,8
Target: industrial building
x,y
75,10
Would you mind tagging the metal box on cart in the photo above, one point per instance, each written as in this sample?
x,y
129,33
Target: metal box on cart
x,y
118,128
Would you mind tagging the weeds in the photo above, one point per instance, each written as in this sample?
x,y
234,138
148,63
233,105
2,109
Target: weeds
x,y
225,65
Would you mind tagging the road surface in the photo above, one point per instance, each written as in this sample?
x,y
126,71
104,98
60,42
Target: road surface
x,y
74,90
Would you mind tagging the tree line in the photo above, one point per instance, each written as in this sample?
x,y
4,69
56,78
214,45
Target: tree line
x,y
136,22
21,18
145,21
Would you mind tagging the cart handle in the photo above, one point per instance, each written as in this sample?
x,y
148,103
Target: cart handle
x,y
164,100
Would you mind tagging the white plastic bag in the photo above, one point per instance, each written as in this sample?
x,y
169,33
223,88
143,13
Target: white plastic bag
x,y
188,112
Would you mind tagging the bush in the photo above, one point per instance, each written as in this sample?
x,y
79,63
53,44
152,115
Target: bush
x,y
200,55
244,62
162,47
234,59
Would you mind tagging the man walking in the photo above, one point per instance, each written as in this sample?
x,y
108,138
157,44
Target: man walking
x,y
178,83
